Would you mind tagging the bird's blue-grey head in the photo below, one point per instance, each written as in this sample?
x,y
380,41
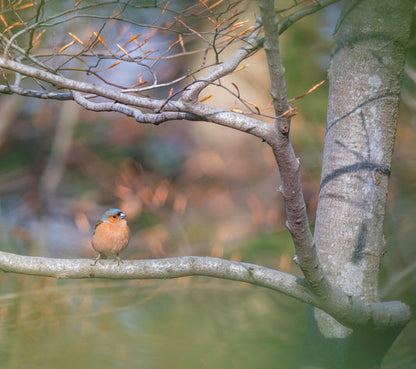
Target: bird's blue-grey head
x,y
113,211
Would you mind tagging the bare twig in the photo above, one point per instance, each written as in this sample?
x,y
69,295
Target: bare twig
x,y
300,14
316,6
191,94
22,52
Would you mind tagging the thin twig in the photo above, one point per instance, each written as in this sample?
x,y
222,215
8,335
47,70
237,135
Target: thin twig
x,y
316,6
190,96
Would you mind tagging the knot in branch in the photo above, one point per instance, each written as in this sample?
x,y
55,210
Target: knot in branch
x,y
283,126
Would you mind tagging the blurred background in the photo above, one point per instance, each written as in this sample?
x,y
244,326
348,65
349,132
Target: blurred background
x,y
187,188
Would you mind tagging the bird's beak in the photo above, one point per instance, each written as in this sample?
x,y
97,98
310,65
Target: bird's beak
x,y
122,215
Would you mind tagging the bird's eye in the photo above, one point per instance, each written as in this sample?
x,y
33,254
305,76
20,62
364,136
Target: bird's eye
x,y
114,216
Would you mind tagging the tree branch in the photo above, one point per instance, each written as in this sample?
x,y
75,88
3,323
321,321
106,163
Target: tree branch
x,y
289,165
316,6
92,88
132,112
157,269
122,102
12,89
271,46
230,119
190,96
300,14
349,310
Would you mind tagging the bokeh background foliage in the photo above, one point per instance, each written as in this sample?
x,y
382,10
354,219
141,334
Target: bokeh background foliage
x,y
188,189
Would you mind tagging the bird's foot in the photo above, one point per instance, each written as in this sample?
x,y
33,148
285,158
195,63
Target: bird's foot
x,y
99,257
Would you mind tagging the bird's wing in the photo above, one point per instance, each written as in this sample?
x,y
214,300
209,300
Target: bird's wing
x,y
97,224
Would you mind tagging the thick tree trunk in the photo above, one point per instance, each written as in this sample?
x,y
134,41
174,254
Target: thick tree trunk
x,y
367,63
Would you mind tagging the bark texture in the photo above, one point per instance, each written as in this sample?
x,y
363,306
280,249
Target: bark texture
x,y
367,63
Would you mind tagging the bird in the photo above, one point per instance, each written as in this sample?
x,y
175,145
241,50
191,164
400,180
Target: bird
x,y
111,235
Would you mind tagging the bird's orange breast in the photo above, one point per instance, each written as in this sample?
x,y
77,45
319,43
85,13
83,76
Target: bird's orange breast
x,y
111,238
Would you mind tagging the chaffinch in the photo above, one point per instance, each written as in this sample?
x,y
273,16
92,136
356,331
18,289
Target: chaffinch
x,y
111,235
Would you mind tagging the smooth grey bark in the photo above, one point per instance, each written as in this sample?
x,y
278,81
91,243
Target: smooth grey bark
x,y
366,67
